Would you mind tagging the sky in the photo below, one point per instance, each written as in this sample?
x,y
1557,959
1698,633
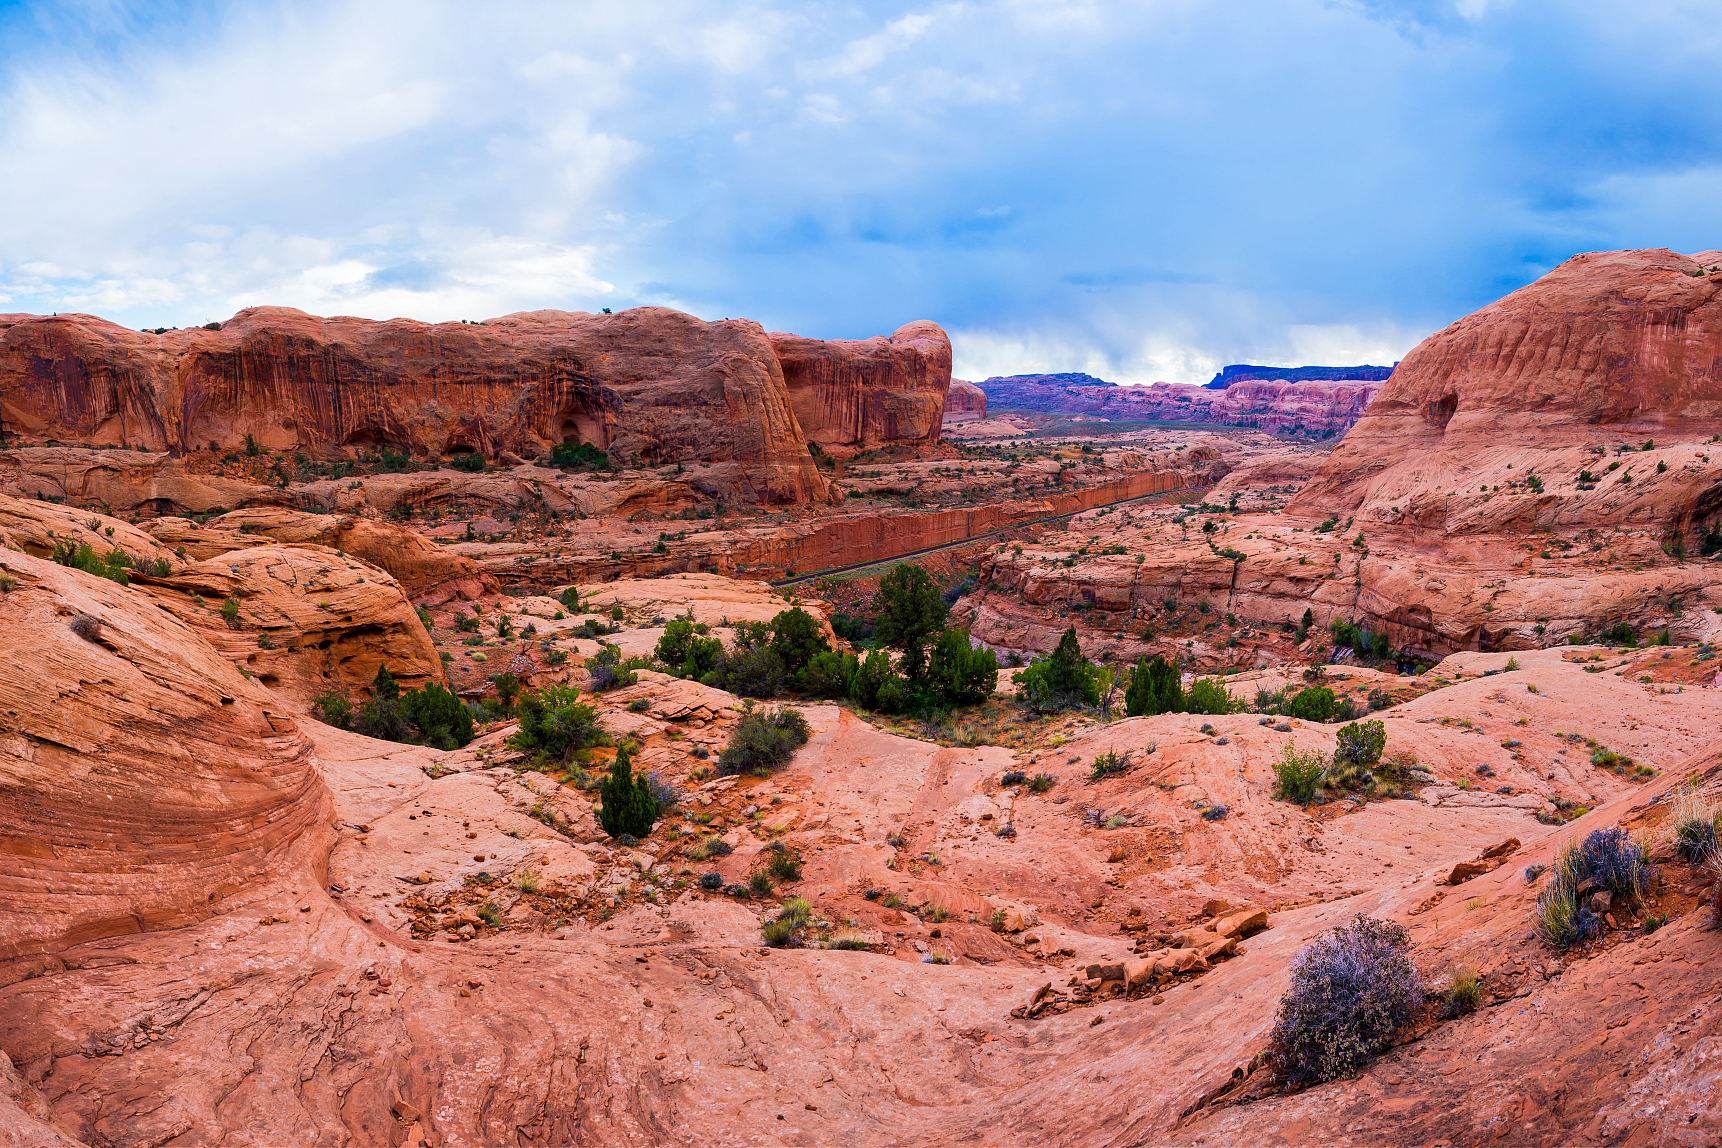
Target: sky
x,y
1143,191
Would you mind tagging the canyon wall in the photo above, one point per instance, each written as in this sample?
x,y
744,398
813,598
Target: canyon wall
x,y
864,393
650,386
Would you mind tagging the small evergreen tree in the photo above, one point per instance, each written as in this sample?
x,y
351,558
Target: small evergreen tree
x,y
908,610
1068,673
384,687
626,805
796,638
963,674
442,718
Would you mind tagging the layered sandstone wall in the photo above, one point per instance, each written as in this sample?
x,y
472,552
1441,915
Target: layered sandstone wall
x,y
965,401
1314,407
868,392
649,386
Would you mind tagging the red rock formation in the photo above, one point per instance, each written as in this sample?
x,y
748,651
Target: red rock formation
x,y
1314,408
1610,347
649,385
965,401
868,392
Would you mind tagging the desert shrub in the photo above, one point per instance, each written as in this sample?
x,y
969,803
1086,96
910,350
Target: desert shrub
x,y
1210,696
1379,700
556,721
797,912
606,671
1313,704
384,718
230,613
578,456
1346,710
784,866
1062,679
570,599
332,708
1358,747
708,848
796,638
1214,812
1621,634
84,557
441,718
665,796
530,881
1014,777
962,673
776,934
1615,860
907,612
759,883
711,882
1041,782
1609,856
1108,763
86,626
626,804
751,671
763,741
1695,821
472,462
617,613
1297,776
1350,991
467,624
1464,992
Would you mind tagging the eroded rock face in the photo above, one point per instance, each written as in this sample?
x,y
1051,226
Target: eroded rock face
x,y
308,620
420,566
649,384
126,481
964,400
147,781
1317,408
1609,348
867,392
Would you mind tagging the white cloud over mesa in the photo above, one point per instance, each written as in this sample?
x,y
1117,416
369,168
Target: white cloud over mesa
x,y
1138,191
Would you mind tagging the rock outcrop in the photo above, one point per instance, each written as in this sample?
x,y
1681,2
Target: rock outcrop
x,y
126,481
1609,349
964,401
304,620
420,566
864,393
1313,408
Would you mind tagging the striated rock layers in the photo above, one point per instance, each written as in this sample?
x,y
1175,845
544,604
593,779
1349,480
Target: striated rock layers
x,y
649,385
868,392
1316,408
964,401
1609,349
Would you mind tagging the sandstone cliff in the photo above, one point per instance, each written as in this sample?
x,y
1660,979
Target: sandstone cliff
x,y
649,385
1610,348
865,393
965,401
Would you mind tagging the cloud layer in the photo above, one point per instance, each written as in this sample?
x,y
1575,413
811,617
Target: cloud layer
x,y
1140,190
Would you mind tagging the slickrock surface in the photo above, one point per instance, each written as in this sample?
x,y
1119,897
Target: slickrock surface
x,y
309,619
862,393
237,926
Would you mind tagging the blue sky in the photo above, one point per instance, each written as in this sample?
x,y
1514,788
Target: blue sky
x,y
1138,190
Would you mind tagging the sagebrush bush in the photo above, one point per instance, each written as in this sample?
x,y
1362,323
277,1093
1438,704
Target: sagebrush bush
x,y
86,626
1613,859
1350,991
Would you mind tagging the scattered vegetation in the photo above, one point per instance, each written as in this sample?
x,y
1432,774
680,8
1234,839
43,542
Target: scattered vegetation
x,y
763,740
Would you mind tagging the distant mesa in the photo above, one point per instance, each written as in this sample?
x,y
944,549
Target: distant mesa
x,y
1320,406
1238,371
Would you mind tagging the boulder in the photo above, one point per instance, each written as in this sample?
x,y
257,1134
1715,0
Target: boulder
x,y
1465,870
1243,923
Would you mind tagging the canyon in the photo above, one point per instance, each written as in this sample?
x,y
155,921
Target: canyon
x,y
230,920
